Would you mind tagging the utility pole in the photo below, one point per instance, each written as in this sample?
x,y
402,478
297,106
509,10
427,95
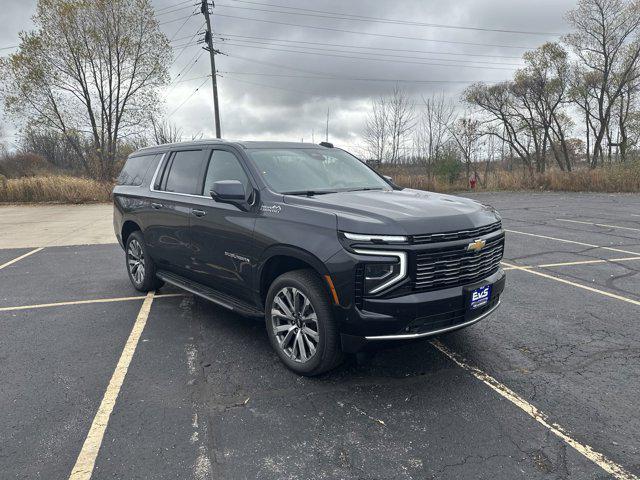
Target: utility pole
x,y
327,129
208,38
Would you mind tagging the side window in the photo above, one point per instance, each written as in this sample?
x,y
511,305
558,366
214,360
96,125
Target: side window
x,y
184,172
135,169
224,166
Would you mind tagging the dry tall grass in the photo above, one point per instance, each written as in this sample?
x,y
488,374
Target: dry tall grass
x,y
63,189
607,179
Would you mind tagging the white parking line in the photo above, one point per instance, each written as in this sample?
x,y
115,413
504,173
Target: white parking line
x,y
598,458
86,302
83,469
568,282
11,262
597,224
581,262
564,240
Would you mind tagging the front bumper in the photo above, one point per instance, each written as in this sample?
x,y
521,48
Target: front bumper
x,y
416,315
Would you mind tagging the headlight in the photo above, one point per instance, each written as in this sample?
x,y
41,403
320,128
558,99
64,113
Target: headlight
x,y
359,237
380,276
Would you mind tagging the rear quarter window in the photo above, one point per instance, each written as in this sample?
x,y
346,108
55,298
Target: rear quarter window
x,y
135,169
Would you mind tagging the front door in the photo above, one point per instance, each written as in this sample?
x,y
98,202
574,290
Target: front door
x,y
222,250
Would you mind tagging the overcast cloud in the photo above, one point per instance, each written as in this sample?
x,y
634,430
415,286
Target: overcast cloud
x,y
265,94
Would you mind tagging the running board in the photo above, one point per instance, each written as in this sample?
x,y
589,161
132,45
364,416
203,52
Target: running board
x,y
226,301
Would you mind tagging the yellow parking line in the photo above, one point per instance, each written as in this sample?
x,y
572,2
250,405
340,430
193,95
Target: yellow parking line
x,y
85,302
598,458
11,262
597,224
572,241
568,282
83,469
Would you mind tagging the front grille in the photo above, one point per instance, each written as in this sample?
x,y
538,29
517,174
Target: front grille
x,y
359,286
457,266
459,235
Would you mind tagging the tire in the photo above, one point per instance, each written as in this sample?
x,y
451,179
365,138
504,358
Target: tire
x,y
302,329
140,267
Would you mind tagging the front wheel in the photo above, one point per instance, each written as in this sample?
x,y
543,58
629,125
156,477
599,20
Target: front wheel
x,y
140,266
300,323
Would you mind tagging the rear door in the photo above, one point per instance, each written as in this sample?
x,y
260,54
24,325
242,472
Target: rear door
x,y
222,250
176,183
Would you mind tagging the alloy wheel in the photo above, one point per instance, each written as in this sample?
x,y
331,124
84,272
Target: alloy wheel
x,y
295,324
135,261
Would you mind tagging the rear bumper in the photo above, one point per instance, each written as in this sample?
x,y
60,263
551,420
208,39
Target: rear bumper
x,y
417,315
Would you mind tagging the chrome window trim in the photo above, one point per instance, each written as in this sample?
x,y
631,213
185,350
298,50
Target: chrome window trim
x,y
155,176
433,333
361,237
401,256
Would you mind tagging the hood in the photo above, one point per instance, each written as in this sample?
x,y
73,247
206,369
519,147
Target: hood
x,y
399,212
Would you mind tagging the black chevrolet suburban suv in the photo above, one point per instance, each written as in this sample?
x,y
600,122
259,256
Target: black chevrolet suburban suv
x,y
333,255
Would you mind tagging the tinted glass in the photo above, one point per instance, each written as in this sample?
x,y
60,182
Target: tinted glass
x,y
224,166
135,169
184,175
319,169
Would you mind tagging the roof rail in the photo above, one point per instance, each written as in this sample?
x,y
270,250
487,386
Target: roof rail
x,y
326,144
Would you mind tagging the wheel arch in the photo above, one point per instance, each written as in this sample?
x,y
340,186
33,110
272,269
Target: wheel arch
x,y
281,259
128,228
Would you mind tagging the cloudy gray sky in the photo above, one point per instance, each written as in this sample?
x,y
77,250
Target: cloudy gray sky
x,y
269,85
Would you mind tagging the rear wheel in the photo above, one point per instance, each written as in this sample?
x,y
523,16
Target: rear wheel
x,y
140,266
300,323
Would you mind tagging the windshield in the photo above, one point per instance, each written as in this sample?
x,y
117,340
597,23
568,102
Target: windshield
x,y
314,170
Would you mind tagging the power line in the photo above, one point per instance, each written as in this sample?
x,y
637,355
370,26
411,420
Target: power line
x,y
184,47
178,9
175,20
186,19
383,35
173,6
274,87
184,70
376,59
221,35
358,79
479,62
189,97
331,77
9,48
363,18
193,78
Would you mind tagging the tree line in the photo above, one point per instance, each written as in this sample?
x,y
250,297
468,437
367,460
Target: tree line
x,y
575,100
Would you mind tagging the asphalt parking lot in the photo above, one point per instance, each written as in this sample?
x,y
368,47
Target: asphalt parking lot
x,y
97,381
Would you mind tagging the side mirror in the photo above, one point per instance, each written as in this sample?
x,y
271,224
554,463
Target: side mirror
x,y
230,191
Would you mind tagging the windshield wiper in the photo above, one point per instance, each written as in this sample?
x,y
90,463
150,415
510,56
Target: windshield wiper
x,y
364,189
309,193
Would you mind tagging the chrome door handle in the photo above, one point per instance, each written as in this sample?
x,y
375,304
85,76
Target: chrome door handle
x,y
199,213
157,205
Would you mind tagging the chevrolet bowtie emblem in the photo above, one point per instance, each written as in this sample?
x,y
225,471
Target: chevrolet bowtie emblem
x,y
476,245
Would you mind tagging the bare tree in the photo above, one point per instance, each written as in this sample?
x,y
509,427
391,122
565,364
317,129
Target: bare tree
x,y
607,46
467,134
433,128
164,132
401,121
90,70
376,130
506,117
543,86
